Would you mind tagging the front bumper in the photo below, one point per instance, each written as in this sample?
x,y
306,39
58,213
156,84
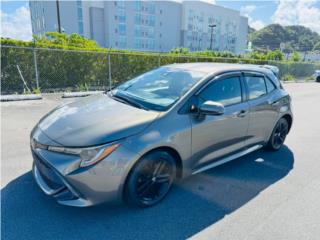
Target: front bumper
x,y
60,176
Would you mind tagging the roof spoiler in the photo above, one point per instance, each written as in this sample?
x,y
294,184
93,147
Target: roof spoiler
x,y
274,69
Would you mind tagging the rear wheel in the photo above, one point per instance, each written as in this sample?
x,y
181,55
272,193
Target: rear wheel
x,y
150,180
318,79
278,135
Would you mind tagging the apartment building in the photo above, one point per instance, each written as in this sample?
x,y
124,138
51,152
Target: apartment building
x,y
155,26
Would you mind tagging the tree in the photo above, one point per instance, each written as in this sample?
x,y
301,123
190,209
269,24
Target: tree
x,y
316,46
295,57
275,55
295,37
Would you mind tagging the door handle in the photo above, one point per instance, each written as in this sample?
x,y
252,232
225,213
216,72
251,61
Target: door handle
x,y
275,103
242,113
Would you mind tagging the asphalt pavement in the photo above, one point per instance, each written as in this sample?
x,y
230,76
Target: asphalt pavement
x,y
264,195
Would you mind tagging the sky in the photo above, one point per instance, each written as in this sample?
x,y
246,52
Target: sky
x,y
16,23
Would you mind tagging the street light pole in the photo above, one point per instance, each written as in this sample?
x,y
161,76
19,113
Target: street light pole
x,y
211,26
35,63
199,45
58,16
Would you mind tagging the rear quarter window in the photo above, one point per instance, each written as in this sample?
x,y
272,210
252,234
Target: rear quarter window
x,y
270,85
256,86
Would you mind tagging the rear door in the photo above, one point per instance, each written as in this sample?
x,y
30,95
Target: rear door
x,y
263,106
215,136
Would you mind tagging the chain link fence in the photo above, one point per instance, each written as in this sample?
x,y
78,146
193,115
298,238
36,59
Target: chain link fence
x,y
25,70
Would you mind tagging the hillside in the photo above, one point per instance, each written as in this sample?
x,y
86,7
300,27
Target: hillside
x,y
296,38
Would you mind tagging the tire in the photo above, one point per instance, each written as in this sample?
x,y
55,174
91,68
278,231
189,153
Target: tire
x,y
278,135
150,179
318,79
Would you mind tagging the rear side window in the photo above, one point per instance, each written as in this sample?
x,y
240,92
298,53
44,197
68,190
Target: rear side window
x,y
256,86
270,85
226,91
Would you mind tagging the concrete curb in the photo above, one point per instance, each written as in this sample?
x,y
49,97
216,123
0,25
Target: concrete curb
x,y
79,94
14,97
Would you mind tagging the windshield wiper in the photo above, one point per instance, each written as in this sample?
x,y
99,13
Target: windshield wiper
x,y
129,101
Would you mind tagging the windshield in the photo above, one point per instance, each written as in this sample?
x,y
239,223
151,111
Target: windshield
x,y
158,89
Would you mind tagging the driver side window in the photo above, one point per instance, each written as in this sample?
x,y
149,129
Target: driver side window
x,y
226,91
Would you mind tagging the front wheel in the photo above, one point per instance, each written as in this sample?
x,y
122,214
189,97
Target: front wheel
x,y
150,180
278,135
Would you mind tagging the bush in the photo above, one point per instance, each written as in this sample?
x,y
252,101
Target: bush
x,y
309,78
88,66
36,91
180,51
83,87
295,57
287,77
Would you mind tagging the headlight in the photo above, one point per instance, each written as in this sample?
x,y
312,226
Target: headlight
x,y
89,156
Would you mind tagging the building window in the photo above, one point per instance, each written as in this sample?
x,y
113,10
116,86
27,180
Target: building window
x,y
137,31
137,43
152,20
122,42
137,18
80,24
122,29
122,16
79,14
151,32
137,5
121,4
80,17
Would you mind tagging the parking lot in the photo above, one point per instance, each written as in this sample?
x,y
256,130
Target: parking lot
x,y
263,195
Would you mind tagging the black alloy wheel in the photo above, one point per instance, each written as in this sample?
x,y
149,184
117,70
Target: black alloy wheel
x,y
278,135
151,179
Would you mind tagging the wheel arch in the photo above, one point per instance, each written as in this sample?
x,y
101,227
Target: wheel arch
x,y
289,119
170,150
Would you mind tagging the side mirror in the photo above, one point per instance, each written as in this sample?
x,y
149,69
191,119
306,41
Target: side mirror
x,y
211,108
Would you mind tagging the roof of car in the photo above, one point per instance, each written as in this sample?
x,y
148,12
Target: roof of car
x,y
219,67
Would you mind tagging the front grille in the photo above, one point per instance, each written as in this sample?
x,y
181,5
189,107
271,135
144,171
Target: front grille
x,y
48,174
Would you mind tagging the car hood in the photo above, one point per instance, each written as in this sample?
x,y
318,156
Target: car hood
x,y
94,120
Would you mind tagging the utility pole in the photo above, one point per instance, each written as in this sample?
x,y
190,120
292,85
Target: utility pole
x,y
211,26
58,16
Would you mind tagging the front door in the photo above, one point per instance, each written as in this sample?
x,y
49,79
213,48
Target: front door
x,y
215,136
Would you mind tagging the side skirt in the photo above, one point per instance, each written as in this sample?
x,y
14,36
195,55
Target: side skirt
x,y
228,158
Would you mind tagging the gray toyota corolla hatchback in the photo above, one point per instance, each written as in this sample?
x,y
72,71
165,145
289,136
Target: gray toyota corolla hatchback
x,y
174,121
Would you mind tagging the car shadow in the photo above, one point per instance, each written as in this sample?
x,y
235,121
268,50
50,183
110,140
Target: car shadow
x,y
193,204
